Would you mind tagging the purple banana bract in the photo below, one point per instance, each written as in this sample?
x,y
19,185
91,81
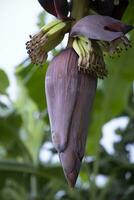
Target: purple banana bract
x,y
70,96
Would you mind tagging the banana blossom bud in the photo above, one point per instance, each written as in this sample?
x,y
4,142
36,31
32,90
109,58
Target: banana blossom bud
x,y
70,96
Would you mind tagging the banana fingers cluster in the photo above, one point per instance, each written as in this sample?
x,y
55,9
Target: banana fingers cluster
x,y
90,58
49,36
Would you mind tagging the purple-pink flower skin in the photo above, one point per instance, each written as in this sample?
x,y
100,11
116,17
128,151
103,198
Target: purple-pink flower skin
x,y
98,27
70,96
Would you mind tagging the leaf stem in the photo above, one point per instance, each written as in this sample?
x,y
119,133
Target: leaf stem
x,y
79,10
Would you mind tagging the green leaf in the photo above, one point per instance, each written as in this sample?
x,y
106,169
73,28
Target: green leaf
x,y
34,128
33,79
48,172
5,111
10,136
4,82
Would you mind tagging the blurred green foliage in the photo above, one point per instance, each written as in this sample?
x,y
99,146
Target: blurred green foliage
x,y
24,128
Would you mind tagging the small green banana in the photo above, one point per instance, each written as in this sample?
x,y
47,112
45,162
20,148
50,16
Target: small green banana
x,y
76,47
82,46
58,27
49,26
84,54
54,36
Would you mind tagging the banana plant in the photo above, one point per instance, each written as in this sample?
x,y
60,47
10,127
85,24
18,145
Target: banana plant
x,y
71,78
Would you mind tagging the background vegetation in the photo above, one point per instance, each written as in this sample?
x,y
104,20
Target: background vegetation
x,y
24,129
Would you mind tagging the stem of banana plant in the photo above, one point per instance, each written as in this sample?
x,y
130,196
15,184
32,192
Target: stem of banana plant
x,y
80,9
